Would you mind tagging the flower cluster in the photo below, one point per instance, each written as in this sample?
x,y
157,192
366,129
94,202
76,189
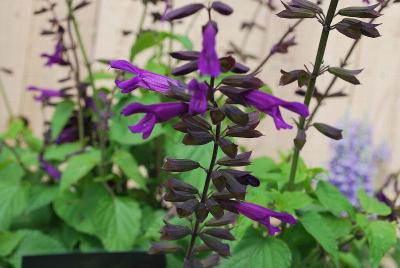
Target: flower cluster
x,y
208,113
355,161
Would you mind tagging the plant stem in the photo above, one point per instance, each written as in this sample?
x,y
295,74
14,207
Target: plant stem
x,y
76,70
5,99
311,84
335,78
281,40
80,44
189,251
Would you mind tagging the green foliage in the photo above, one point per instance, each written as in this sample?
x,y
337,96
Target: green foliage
x,y
61,116
257,250
381,236
77,167
371,205
125,161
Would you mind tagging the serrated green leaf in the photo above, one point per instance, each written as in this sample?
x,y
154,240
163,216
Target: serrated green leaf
x,y
371,205
150,39
77,208
117,222
254,250
381,236
60,152
35,243
290,201
129,166
333,200
78,167
13,200
8,242
340,226
315,225
60,118
40,196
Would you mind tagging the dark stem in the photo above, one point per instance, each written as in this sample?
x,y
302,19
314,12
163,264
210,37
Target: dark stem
x,y
281,40
311,84
189,251
334,79
76,70
71,16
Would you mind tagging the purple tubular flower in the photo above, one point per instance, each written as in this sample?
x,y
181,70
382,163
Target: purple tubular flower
x,y
57,56
168,7
46,94
208,58
143,79
198,102
260,214
69,134
270,105
49,168
154,113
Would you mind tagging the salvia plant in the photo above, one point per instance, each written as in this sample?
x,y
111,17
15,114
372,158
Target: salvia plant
x,y
158,152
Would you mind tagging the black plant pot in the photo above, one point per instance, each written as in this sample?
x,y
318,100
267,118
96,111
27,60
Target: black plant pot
x,y
95,260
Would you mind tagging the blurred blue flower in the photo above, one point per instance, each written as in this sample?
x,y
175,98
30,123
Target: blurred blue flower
x,y
355,160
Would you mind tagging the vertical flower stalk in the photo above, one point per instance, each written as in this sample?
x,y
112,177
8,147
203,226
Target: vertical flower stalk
x,y
311,84
350,27
203,120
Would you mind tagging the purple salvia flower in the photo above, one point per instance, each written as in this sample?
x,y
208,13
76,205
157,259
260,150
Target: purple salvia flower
x,y
154,113
168,7
49,168
57,56
143,79
259,214
198,102
46,94
208,58
68,134
270,105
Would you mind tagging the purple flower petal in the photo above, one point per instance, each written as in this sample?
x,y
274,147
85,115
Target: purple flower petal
x,y
198,102
208,58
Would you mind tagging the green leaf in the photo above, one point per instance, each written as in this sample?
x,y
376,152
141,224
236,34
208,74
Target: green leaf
x,y
332,199
114,220
40,196
290,201
254,250
125,161
78,167
371,205
150,39
13,200
315,225
117,222
35,243
60,152
8,242
340,226
60,118
261,167
381,236
13,130
101,75
77,208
